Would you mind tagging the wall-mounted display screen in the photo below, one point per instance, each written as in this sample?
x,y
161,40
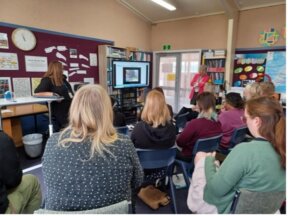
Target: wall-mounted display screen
x,y
130,74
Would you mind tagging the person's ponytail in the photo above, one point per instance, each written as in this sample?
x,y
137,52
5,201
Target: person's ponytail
x,y
280,139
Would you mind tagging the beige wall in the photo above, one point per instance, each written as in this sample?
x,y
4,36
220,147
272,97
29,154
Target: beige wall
x,y
211,31
109,20
194,33
251,22
103,19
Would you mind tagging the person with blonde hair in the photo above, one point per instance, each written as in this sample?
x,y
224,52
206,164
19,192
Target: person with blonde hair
x,y
251,91
88,165
155,130
198,83
258,165
54,84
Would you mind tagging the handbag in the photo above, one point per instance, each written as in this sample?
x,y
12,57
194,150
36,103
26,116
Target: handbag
x,y
153,197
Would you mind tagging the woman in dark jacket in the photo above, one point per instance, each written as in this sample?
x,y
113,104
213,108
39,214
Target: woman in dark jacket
x,y
155,130
53,84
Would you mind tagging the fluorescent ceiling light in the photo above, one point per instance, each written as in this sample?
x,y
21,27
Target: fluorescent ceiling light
x,y
165,4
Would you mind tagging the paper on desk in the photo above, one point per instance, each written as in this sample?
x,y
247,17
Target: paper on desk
x,y
6,111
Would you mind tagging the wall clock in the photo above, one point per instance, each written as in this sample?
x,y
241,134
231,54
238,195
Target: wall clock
x,y
24,39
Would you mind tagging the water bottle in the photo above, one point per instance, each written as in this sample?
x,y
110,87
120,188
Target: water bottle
x,y
8,95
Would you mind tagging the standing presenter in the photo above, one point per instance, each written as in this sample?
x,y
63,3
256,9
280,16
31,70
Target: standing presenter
x,y
197,83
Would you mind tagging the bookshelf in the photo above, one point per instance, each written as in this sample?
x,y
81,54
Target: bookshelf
x,y
127,97
215,62
107,54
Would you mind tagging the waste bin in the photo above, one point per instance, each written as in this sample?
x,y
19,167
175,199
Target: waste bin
x,y
33,144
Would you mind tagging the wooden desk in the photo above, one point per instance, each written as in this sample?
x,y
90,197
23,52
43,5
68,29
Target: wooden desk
x,y
11,119
31,100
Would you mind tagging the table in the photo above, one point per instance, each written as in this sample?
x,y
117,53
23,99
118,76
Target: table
x,y
31,100
11,119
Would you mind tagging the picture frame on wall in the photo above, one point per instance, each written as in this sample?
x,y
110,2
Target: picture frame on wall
x,y
5,85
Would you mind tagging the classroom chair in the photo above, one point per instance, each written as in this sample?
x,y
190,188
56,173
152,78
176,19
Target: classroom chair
x,y
238,136
181,121
160,158
251,202
123,130
117,208
209,144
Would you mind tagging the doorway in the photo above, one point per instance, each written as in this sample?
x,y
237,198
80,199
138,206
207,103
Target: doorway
x,y
173,72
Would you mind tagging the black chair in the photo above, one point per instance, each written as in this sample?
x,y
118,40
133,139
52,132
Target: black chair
x,y
123,130
238,136
251,202
160,158
206,145
181,121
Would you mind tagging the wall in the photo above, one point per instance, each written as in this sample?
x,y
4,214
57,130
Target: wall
x,y
251,22
103,19
194,33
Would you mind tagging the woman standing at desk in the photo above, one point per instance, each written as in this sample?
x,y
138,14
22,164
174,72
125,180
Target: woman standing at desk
x,y
52,84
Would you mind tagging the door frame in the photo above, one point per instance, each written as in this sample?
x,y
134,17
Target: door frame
x,y
178,54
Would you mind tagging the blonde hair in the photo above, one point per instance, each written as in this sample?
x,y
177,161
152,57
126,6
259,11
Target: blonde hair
x,y
155,111
252,91
267,88
91,117
55,73
203,69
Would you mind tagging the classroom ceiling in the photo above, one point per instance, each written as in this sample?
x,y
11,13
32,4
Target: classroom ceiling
x,y
191,8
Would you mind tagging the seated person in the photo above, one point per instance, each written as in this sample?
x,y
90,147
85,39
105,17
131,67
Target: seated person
x,y
206,125
159,89
118,117
19,194
89,165
155,130
168,105
192,113
230,117
267,88
255,166
251,90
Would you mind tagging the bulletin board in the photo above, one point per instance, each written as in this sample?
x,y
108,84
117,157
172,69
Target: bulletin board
x,y
78,55
252,65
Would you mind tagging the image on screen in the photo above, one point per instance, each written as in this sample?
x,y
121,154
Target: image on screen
x,y
131,75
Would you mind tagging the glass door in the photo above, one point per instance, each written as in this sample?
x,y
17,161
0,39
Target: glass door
x,y
174,72
167,69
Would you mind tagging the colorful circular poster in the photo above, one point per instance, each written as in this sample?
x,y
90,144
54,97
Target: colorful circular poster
x,y
243,77
248,68
238,70
260,68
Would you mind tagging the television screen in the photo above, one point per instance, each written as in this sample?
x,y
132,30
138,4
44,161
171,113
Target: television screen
x,y
130,74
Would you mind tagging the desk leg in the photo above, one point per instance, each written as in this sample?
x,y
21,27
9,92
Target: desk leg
x,y
50,119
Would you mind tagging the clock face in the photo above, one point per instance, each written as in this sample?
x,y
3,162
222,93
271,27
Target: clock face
x,y
24,39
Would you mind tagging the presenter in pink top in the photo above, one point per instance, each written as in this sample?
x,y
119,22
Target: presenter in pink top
x,y
197,83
